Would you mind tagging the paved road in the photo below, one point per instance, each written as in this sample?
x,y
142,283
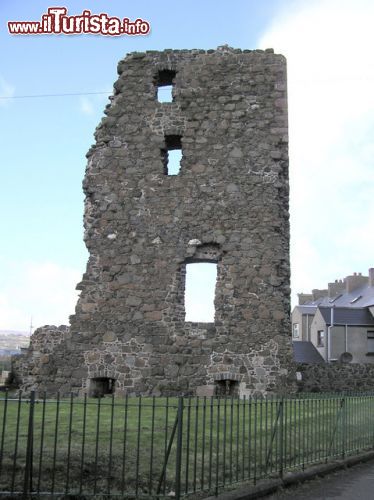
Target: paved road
x,y
356,483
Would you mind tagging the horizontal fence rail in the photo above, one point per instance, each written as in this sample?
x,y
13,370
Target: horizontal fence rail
x,y
171,447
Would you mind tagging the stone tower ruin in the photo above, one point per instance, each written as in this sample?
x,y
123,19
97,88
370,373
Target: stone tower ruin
x,y
228,205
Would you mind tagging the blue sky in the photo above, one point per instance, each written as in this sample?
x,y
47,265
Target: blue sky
x,y
43,141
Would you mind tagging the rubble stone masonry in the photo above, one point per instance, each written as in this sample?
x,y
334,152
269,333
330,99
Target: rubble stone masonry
x,y
228,205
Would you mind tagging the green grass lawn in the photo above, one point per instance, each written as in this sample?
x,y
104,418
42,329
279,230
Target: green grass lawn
x,y
115,445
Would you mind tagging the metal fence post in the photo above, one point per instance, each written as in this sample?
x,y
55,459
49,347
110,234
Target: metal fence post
x,y
178,463
281,438
344,425
27,484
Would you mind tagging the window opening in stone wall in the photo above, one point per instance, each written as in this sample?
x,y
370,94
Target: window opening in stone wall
x,y
100,386
227,388
171,155
165,94
200,290
164,84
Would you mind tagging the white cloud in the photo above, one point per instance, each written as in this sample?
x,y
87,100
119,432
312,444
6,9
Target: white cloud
x,y
328,45
93,104
86,106
44,291
6,90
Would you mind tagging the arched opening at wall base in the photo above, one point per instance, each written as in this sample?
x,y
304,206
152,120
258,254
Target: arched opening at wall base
x,y
101,386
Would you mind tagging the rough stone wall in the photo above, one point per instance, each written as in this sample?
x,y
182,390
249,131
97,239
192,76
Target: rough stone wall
x,y
335,377
34,366
228,204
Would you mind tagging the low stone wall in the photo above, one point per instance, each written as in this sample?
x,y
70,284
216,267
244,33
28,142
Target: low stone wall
x,y
46,365
335,377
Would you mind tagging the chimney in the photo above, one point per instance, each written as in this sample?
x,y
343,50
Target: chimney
x,y
304,298
336,288
355,281
371,276
319,294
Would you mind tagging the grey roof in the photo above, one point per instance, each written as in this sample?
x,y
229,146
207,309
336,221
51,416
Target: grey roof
x,y
305,352
306,309
348,316
317,302
362,296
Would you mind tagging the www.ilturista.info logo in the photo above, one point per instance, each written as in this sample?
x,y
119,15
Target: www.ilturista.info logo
x,y
57,22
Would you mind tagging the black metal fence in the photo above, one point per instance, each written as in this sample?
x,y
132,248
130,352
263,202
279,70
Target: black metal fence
x,y
158,447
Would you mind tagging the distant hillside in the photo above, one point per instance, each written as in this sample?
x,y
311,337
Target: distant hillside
x,y
15,332
12,340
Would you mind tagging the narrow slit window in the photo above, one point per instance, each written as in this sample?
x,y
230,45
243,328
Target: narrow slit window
x,y
201,279
174,161
171,155
164,84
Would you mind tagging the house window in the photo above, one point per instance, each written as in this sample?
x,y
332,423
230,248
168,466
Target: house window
x,y
171,154
295,331
200,290
164,84
370,342
320,338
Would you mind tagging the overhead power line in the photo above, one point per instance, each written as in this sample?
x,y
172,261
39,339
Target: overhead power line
x,y
52,95
60,95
